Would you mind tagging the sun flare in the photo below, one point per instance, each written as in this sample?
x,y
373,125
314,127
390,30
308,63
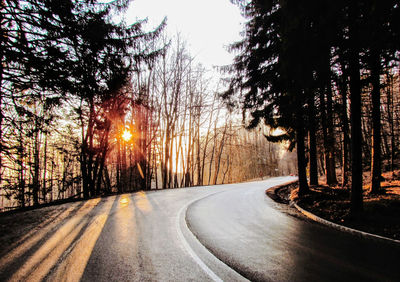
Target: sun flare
x,y
126,135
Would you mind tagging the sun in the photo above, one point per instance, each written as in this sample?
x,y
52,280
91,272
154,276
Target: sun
x,y
126,135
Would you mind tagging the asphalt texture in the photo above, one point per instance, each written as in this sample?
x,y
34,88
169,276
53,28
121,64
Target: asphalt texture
x,y
249,233
216,233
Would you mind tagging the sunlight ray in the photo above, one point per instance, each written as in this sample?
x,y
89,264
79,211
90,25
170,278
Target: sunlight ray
x,y
33,237
72,268
40,263
142,203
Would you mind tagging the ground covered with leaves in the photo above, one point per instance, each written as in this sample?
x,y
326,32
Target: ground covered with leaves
x,y
381,212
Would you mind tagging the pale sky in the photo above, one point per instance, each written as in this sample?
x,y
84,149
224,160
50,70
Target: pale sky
x,y
206,25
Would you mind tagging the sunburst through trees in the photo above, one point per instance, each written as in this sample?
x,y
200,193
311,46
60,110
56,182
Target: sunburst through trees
x,y
92,107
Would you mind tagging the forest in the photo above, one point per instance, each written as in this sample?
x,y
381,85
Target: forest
x,y
125,157
92,106
327,72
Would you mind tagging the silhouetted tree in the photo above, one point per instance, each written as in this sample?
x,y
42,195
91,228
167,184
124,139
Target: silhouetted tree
x,y
60,51
270,75
296,56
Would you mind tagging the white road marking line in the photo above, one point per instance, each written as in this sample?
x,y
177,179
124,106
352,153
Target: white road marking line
x,y
186,245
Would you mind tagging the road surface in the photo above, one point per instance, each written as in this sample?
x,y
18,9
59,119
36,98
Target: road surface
x,y
155,236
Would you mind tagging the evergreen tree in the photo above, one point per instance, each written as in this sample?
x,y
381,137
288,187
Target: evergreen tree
x,y
285,66
273,79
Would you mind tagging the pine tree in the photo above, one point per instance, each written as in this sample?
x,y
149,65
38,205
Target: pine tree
x,y
270,75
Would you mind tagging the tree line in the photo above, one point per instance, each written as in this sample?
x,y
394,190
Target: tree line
x,y
90,105
327,72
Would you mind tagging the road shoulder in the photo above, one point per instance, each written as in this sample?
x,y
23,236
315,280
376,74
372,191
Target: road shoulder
x,y
281,194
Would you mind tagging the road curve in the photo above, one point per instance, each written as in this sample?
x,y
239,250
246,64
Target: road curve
x,y
244,229
132,237
144,237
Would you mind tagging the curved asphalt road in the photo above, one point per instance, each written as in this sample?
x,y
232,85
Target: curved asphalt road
x,y
145,237
244,230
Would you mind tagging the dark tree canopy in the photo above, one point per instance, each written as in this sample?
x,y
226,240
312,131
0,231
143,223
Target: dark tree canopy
x,y
62,51
292,53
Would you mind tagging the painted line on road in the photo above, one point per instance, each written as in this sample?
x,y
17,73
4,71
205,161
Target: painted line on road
x,y
186,245
180,219
192,253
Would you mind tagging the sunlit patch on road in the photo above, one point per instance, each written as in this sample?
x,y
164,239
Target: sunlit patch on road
x,y
124,201
45,258
72,268
33,237
142,202
126,220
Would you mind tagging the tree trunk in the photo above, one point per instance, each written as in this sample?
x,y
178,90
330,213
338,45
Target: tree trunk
x,y
198,159
312,143
345,129
356,199
102,159
164,172
376,123
366,141
390,108
301,160
21,173
326,167
219,155
36,164
212,152
83,164
118,167
331,173
124,168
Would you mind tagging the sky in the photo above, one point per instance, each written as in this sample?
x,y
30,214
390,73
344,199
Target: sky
x,y
208,26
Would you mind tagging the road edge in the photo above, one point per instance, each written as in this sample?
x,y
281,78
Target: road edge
x,y
272,193
343,228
